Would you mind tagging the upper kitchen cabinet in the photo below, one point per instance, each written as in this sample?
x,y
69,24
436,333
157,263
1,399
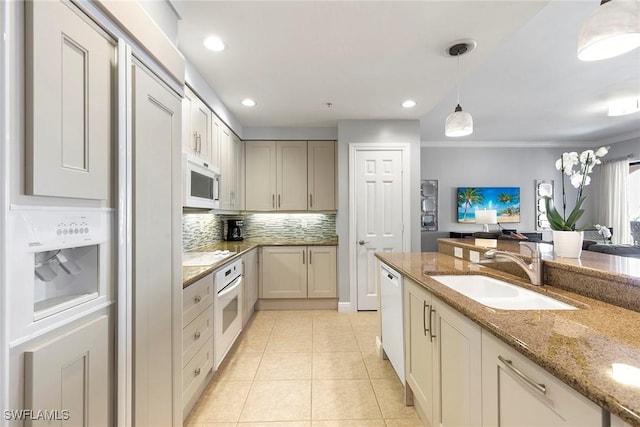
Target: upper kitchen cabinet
x,y
231,166
290,175
260,177
197,128
70,99
321,175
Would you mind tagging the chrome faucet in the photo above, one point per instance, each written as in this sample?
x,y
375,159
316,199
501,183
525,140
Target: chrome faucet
x,y
533,270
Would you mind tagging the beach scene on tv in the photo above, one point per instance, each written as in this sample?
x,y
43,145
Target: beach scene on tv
x,y
505,200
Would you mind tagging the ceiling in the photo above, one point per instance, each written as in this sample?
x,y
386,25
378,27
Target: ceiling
x,y
523,81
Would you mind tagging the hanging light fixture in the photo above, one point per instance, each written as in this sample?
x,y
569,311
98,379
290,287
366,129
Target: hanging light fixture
x,y
459,123
611,30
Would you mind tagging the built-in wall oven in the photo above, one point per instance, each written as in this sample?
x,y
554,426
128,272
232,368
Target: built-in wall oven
x,y
227,309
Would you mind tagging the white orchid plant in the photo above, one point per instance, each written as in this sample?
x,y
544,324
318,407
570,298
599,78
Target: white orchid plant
x,y
577,168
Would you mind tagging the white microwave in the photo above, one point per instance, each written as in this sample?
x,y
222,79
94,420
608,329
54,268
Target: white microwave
x,y
200,182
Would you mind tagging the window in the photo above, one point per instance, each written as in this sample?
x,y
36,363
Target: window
x,y
633,201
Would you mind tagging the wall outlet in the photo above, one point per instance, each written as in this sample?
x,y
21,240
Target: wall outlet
x,y
457,252
474,256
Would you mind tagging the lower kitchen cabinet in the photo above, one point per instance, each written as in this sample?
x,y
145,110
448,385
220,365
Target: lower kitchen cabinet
x,y
69,374
250,284
517,392
442,360
298,272
197,340
419,348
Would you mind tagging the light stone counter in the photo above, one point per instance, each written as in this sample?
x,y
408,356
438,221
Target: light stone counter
x,y
578,346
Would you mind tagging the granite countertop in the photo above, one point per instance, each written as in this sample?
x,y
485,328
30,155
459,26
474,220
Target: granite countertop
x,y
577,346
190,275
593,263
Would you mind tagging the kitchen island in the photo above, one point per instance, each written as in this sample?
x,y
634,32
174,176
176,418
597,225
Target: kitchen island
x,y
579,347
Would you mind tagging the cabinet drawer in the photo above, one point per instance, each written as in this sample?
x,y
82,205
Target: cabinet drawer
x,y
196,298
516,389
196,370
195,334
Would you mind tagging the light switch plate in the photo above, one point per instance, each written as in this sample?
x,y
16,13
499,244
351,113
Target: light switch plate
x,y
474,256
457,252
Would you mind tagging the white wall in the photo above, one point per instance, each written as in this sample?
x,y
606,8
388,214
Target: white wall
x,y
491,167
290,133
373,131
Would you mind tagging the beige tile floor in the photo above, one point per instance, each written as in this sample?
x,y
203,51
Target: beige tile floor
x,y
305,369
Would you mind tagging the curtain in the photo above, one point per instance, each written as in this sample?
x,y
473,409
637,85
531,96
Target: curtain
x,y
612,210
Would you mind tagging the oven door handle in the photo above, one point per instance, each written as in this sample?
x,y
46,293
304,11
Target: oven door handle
x,y
230,287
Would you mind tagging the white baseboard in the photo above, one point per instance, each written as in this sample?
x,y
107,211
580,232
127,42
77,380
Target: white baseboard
x,y
345,307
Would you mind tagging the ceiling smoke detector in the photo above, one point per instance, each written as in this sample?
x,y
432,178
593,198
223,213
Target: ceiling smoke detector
x,y
460,47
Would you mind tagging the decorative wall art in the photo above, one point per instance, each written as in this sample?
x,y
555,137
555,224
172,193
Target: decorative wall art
x,y
505,200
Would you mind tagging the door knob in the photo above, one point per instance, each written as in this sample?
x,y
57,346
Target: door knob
x,y
361,242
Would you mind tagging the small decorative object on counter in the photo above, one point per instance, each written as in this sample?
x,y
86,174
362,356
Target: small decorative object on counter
x,y
604,232
569,245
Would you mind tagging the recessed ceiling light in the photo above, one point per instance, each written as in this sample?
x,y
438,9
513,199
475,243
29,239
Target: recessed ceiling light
x,y
248,102
214,43
622,107
409,103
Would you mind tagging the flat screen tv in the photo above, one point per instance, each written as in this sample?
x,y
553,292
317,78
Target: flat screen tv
x,y
505,200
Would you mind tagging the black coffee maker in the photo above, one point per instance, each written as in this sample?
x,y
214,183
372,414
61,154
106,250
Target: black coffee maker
x,y
234,232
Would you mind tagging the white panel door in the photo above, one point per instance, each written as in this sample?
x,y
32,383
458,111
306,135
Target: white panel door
x,y
379,228
292,175
156,131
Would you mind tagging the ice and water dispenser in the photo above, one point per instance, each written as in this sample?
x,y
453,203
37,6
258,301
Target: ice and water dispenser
x,y
62,265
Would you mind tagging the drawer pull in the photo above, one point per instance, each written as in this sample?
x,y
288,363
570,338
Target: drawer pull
x,y
197,372
197,335
509,365
198,298
425,307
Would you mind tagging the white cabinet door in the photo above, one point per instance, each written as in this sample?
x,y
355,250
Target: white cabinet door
x,y
201,128
230,157
260,173
321,272
291,175
517,392
458,343
250,283
237,159
419,347
71,373
284,272
156,212
69,103
321,172
196,127
216,131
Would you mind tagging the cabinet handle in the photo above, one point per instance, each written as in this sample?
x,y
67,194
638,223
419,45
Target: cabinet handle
x,y
310,257
509,365
424,317
273,201
431,334
310,200
303,256
197,335
195,142
197,371
278,200
197,299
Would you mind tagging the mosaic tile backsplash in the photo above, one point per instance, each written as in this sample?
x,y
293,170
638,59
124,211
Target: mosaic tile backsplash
x,y
199,230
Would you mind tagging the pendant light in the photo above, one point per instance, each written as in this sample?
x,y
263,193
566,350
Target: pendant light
x,y
459,123
611,30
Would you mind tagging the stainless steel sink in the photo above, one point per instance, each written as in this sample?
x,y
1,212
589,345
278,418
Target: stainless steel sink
x,y
496,293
